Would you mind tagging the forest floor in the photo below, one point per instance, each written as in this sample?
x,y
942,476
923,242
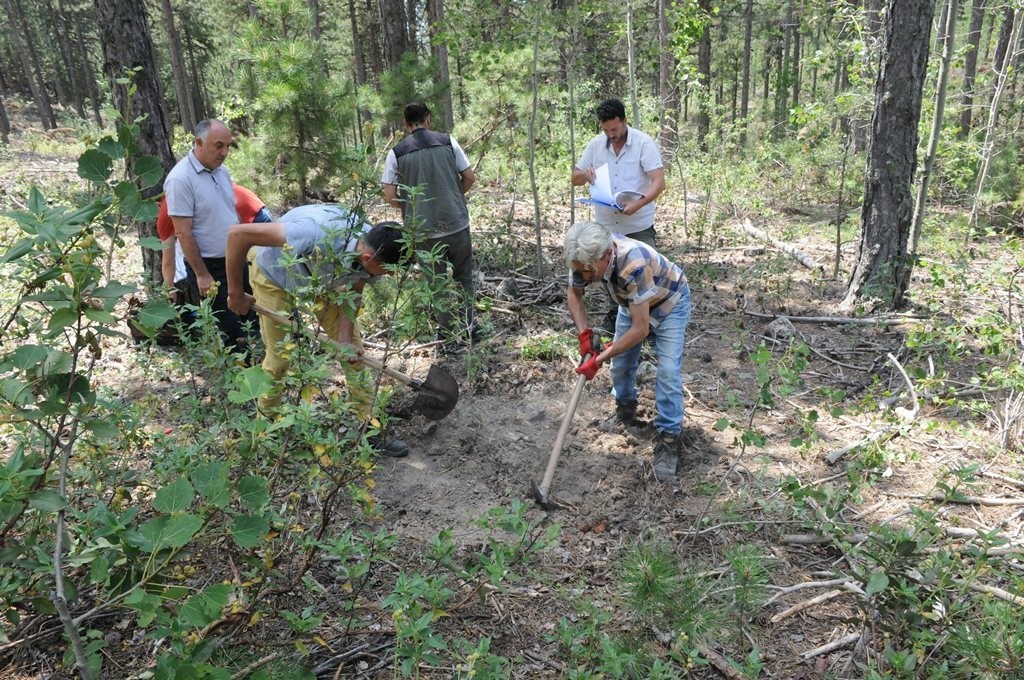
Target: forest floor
x,y
726,494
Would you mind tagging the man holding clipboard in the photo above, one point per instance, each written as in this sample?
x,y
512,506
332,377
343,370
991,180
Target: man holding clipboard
x,y
624,170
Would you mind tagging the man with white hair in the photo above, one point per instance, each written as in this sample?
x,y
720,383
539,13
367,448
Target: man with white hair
x,y
653,299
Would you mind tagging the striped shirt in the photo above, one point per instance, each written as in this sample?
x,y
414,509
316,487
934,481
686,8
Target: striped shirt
x,y
638,273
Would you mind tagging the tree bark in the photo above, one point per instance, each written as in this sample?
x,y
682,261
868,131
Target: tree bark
x,y
880,274
704,77
186,108
988,146
75,21
315,25
394,31
948,31
33,75
5,123
126,42
76,91
748,27
440,51
971,67
668,93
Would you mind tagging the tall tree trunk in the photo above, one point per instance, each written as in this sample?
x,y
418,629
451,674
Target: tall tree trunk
x,y
971,67
76,91
947,32
126,42
748,27
881,272
186,108
199,108
5,121
988,146
440,51
33,75
704,77
631,64
535,92
796,63
668,92
358,61
60,77
1003,44
394,31
785,72
75,21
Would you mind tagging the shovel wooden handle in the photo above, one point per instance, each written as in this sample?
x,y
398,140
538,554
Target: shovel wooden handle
x,y
324,338
556,450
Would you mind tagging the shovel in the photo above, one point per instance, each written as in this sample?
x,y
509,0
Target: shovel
x,y
541,492
437,394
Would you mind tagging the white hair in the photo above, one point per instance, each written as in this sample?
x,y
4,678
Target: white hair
x,y
586,243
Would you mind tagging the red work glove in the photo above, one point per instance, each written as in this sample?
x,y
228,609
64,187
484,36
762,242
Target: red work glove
x,y
589,367
589,343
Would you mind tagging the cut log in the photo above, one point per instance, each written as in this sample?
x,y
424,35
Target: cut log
x,y
788,248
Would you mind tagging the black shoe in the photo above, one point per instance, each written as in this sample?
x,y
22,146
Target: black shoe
x,y
666,456
392,447
625,412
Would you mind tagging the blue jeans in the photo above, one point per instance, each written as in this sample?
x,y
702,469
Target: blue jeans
x,y
669,340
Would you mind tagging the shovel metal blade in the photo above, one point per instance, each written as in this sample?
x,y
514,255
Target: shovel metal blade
x,y
437,394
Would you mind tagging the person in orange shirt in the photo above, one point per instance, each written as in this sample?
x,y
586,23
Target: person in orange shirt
x,y
172,264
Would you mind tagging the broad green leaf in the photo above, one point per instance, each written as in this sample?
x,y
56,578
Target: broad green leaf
x,y
87,213
253,492
101,428
249,530
174,497
126,135
95,166
99,315
111,148
62,318
167,532
99,570
211,480
47,500
18,250
205,606
114,290
36,201
151,242
16,392
149,170
146,212
252,383
27,357
180,529
876,584
156,313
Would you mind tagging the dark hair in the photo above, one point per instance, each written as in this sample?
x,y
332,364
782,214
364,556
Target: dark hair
x,y
416,113
610,109
386,241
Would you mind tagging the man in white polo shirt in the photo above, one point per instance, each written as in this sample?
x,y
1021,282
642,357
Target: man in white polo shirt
x,y
201,203
634,164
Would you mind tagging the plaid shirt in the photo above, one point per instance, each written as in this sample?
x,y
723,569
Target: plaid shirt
x,y
638,273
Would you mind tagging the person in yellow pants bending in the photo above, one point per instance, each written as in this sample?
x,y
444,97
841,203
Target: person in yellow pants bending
x,y
323,246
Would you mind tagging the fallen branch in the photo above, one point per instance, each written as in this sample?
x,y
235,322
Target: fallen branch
x,y
995,592
806,584
820,539
720,663
885,432
1002,478
854,320
806,604
832,646
971,500
903,413
801,257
